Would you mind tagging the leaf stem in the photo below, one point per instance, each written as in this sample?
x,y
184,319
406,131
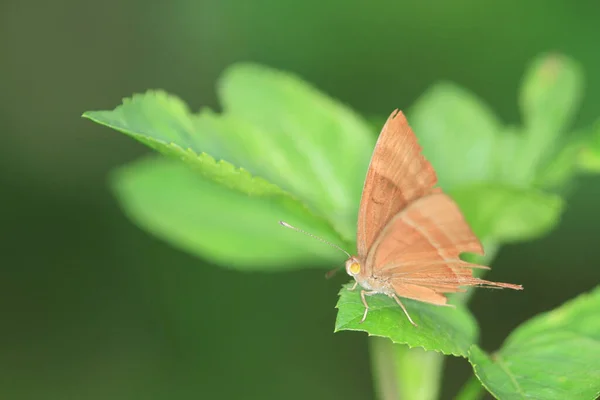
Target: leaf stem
x,y
471,390
384,368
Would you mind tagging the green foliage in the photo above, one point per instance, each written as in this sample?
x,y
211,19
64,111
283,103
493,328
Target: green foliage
x,y
275,126
163,122
555,355
413,371
508,214
281,150
549,99
444,329
302,140
200,216
467,143
589,156
458,134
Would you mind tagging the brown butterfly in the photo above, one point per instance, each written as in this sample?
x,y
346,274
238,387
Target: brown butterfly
x,y
410,233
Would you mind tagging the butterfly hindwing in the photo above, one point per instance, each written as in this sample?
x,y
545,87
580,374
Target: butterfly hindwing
x,y
421,247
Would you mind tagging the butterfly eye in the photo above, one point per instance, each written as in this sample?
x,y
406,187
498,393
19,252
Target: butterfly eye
x,y
354,268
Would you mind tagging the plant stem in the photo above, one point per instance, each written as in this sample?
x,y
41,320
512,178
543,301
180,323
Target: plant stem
x,y
471,390
384,368
402,373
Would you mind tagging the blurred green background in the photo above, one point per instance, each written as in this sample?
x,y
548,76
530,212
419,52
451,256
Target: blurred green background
x,y
95,308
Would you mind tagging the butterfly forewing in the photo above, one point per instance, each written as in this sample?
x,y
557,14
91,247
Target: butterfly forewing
x,y
398,174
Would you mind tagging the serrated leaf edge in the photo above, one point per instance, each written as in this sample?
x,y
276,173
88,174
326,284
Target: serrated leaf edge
x,y
276,190
474,366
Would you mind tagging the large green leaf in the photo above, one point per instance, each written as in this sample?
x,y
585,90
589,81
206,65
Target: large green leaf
x,y
285,133
457,132
555,355
163,122
504,213
195,214
309,144
442,329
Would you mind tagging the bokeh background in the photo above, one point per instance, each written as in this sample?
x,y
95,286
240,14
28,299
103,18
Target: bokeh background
x,y
94,308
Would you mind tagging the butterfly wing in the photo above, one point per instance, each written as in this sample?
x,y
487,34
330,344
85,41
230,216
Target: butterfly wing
x,y
418,251
398,174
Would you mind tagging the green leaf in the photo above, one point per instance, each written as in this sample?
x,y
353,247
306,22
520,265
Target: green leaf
x,y
555,355
174,203
561,169
443,329
471,390
504,214
514,166
589,156
550,96
467,144
163,122
310,145
457,132
287,135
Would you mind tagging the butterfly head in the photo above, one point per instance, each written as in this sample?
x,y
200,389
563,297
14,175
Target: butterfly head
x,y
353,266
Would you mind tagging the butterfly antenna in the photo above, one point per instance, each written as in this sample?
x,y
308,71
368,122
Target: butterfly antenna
x,y
282,223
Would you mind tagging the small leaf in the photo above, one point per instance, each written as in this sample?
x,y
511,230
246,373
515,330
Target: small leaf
x,y
207,219
457,132
443,329
506,214
589,156
550,96
555,355
562,167
512,164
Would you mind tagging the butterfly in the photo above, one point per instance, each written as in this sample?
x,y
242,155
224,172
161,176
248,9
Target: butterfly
x,y
410,234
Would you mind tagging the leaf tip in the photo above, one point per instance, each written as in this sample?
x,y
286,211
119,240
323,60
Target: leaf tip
x,y
88,115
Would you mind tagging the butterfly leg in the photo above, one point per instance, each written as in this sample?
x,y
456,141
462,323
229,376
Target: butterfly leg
x,y
354,287
364,293
403,309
